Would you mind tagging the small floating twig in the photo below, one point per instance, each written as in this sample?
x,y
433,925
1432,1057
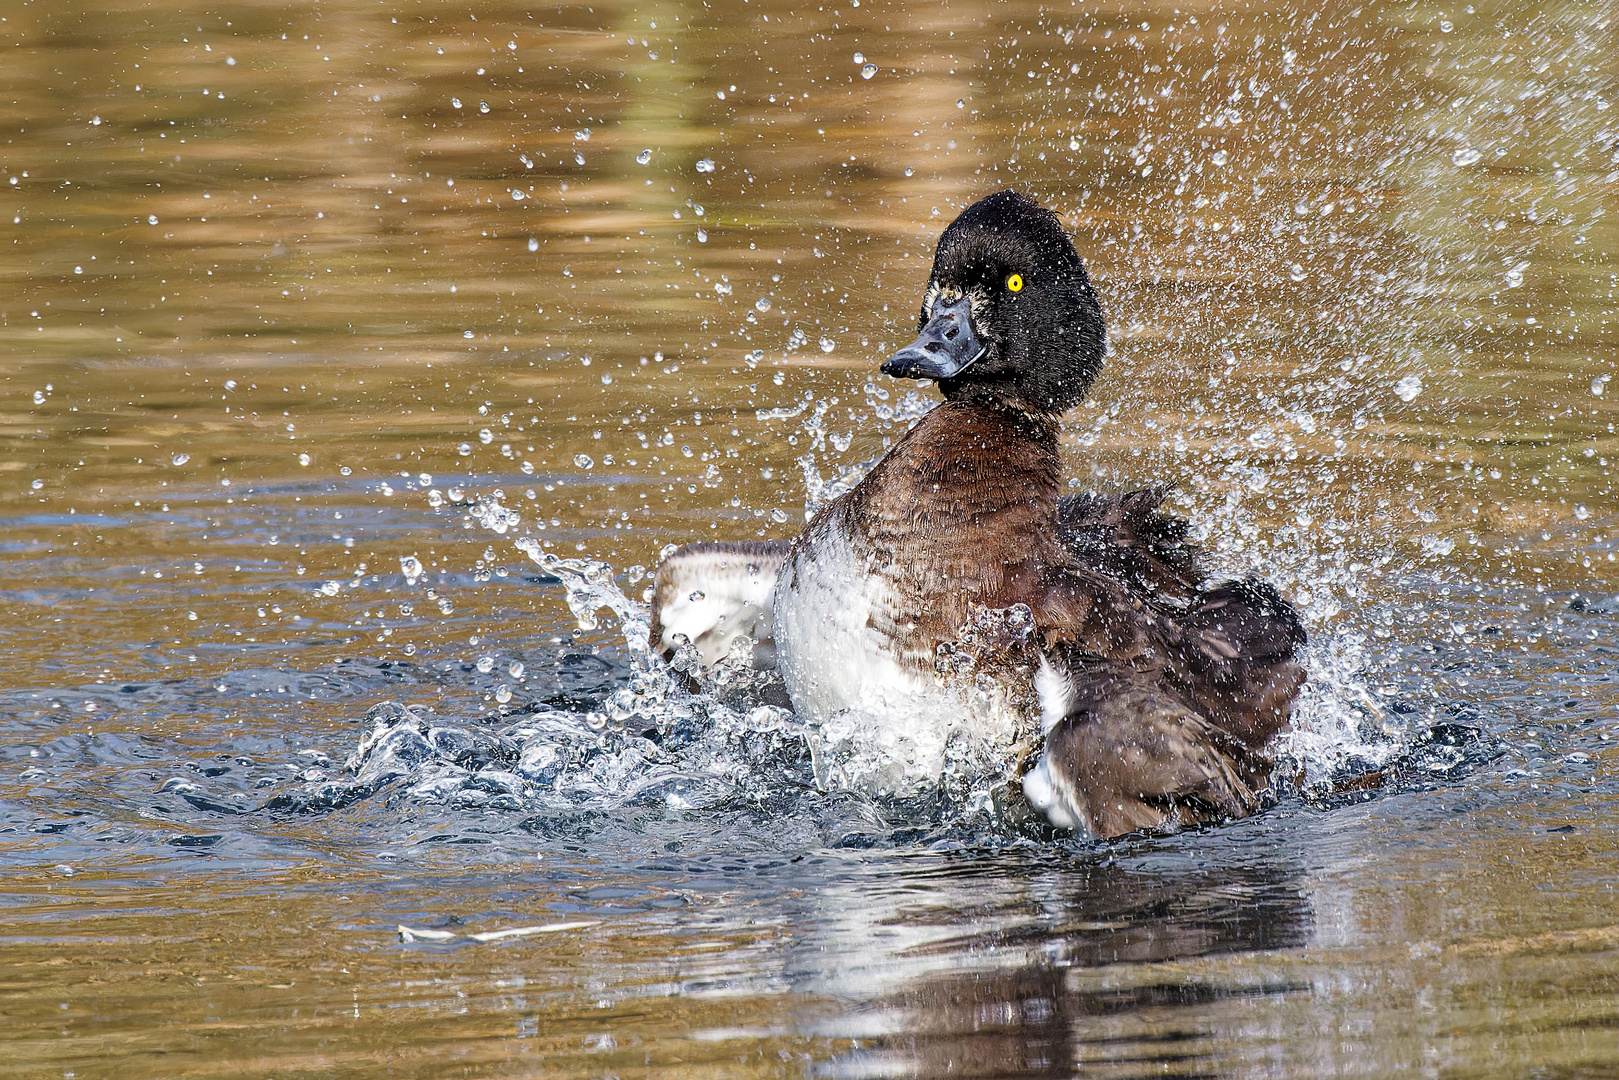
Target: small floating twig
x,y
408,934
527,931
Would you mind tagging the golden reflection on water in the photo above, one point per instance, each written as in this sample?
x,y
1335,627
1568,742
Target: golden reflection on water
x,y
261,268
1258,199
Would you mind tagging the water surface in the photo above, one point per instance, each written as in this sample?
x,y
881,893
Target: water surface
x,y
311,313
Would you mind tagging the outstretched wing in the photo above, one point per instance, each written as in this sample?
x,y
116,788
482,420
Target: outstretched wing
x,y
1123,755
713,593
1125,537
1159,697
1235,647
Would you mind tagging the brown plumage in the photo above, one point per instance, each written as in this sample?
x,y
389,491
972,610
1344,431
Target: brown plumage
x,y
965,470
1159,695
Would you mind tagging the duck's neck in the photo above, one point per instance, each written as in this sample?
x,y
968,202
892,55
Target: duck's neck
x,y
967,466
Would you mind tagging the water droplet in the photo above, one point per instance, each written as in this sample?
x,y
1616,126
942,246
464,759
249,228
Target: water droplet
x,y
1515,275
1408,388
583,135
483,106
643,157
37,484
465,449
1582,511
1296,272
1599,384
456,102
518,195
533,244
827,344
702,235
516,669
868,71
1303,518
151,219
961,103
583,461
860,58
762,304
578,158
705,165
1446,26
179,459
778,516
503,693
1220,157
909,171
486,664
39,397
1468,155
1437,545
303,459
723,288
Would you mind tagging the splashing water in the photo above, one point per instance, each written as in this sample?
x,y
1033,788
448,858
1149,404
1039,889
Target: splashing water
x,y
681,735
671,734
590,587
493,515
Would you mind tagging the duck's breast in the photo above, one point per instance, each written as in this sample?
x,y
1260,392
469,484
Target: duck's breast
x,y
831,652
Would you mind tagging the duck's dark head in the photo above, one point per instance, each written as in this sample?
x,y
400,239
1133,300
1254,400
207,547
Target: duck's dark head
x,y
1009,313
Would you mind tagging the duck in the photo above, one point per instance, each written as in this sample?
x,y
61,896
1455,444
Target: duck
x,y
1134,693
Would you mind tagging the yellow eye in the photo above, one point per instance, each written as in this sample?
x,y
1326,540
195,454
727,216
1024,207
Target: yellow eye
x,y
1014,283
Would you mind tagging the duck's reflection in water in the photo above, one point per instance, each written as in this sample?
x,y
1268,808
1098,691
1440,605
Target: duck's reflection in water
x,y
1087,967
